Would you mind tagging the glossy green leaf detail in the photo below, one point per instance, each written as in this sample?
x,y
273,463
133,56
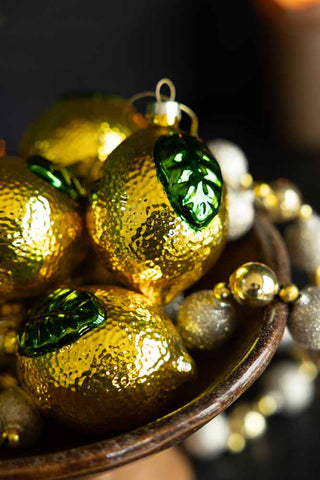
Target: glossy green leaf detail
x,y
58,177
190,176
60,319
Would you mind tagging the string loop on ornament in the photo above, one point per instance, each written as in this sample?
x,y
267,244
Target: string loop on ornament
x,y
170,85
164,98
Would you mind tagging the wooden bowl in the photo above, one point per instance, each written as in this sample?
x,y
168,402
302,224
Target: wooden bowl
x,y
223,376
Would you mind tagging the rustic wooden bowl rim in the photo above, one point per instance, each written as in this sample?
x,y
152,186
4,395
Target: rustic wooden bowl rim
x,y
174,427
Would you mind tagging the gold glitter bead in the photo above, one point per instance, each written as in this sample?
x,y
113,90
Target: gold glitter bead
x,y
80,131
289,293
221,291
281,200
113,376
253,284
204,321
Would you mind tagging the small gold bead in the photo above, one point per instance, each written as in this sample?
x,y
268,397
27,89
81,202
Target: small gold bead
x,y
305,211
236,442
253,284
247,421
281,200
221,291
267,405
261,190
10,342
310,369
254,424
289,293
246,181
11,437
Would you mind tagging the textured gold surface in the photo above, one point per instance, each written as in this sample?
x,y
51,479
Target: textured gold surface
x,y
40,228
81,131
254,284
138,233
117,376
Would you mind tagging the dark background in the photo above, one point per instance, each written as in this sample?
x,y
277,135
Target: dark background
x,y
213,52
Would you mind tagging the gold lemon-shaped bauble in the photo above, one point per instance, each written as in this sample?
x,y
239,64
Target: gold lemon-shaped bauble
x,y
103,360
80,131
40,226
158,216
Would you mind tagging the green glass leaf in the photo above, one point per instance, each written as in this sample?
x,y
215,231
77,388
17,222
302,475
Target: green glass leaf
x,y
59,177
190,176
60,319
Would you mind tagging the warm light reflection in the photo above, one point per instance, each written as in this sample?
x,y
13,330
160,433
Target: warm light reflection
x,y
153,355
35,226
109,139
296,4
2,147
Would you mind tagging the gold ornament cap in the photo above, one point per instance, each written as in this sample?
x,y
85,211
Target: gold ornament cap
x,y
165,111
164,114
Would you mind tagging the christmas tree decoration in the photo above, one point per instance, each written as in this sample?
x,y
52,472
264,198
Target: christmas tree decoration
x,y
103,360
80,131
41,226
158,216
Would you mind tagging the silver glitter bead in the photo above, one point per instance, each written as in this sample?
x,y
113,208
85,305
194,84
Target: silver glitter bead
x,y
303,241
211,440
172,308
241,212
232,161
304,318
291,388
204,321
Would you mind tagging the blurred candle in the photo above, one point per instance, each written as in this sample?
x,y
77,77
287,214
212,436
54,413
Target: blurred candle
x,y
291,68
2,148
